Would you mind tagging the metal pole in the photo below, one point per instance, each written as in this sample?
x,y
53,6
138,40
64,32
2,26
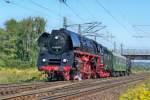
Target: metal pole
x,y
95,37
121,46
79,29
65,22
114,46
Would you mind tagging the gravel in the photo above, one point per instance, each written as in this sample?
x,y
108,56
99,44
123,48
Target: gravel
x,y
111,94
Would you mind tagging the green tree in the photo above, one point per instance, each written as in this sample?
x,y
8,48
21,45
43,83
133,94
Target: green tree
x,y
29,30
18,43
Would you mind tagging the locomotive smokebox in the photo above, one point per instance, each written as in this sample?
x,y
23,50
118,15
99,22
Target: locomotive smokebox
x,y
55,49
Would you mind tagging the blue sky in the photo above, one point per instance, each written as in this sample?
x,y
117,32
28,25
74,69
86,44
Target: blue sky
x,y
126,12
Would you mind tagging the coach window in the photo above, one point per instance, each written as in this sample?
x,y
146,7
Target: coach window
x,y
102,56
109,59
105,62
99,49
100,52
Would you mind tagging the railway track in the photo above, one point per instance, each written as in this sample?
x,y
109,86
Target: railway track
x,y
72,94
73,90
7,89
47,88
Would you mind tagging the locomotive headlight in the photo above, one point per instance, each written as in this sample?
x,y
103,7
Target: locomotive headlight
x,y
64,60
44,60
56,37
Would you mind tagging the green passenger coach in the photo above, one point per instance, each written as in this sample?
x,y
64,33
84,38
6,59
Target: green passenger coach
x,y
118,65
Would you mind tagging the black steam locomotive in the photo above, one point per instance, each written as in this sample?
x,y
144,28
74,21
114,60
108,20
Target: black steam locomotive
x,y
68,55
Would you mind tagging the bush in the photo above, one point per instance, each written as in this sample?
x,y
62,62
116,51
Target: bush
x,y
141,92
17,75
138,69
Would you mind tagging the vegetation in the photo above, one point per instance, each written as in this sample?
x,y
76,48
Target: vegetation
x,y
141,92
18,49
18,75
138,69
18,42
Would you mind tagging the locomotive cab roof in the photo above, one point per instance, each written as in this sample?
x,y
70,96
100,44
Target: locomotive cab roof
x,y
74,39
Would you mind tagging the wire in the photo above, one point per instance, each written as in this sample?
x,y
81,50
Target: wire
x,y
26,8
62,1
87,10
43,7
138,29
109,13
12,3
143,25
74,12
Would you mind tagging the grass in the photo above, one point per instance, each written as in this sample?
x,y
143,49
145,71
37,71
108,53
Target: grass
x,y
140,69
141,92
18,75
31,74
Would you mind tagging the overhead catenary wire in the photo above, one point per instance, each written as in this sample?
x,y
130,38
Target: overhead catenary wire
x,y
63,1
43,7
109,13
26,8
139,30
142,25
7,1
21,6
86,9
73,11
